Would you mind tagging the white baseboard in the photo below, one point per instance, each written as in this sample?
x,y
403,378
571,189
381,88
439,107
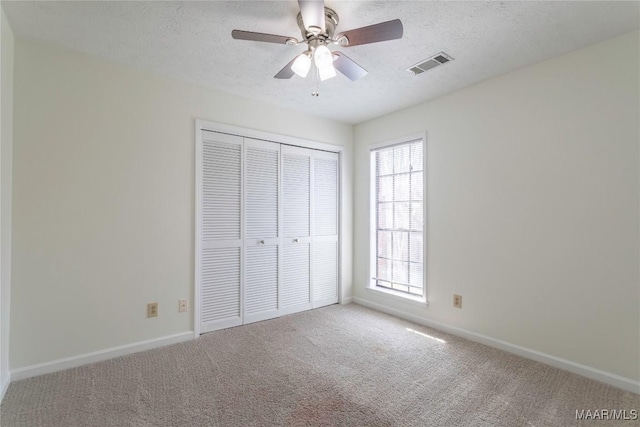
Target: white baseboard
x,y
557,362
347,300
4,387
97,356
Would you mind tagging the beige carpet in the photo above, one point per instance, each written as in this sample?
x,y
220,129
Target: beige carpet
x,y
336,366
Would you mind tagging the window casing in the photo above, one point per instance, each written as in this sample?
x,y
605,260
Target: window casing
x,y
397,226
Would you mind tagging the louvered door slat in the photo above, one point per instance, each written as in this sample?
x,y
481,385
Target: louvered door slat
x,y
325,197
295,277
262,204
221,285
262,170
296,224
296,174
325,228
220,232
221,190
261,280
325,272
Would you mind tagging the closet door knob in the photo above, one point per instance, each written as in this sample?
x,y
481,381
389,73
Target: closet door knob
x,y
296,240
262,242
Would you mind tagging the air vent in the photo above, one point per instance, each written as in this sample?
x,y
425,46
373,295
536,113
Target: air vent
x,y
429,63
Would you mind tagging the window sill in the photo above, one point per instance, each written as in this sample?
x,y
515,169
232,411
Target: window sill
x,y
399,296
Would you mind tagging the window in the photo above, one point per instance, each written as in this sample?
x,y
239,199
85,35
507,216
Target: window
x,y
397,225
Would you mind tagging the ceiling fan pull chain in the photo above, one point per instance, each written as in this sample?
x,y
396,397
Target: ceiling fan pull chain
x,y
316,82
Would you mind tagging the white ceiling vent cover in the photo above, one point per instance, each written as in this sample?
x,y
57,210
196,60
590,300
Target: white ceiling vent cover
x,y
429,63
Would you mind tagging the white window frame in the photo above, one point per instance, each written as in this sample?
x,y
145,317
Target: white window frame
x,y
371,283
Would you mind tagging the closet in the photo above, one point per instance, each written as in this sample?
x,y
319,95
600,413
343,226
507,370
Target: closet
x,y
267,229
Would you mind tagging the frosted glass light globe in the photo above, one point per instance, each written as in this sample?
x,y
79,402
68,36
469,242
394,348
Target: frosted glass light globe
x,y
326,73
301,65
322,57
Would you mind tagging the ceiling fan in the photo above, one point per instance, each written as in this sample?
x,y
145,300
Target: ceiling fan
x,y
318,25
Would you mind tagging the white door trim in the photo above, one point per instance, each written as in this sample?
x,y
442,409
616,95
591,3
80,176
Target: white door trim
x,y
265,136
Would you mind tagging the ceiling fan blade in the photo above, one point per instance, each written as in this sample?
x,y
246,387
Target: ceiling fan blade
x,y
313,15
287,71
261,37
348,66
383,31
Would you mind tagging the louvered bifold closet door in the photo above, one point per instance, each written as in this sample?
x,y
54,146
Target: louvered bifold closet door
x,y
296,229
325,228
262,207
219,261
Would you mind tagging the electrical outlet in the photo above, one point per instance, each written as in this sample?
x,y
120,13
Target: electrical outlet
x,y
182,305
457,301
152,309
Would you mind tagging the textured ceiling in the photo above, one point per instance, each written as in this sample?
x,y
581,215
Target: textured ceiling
x,y
192,41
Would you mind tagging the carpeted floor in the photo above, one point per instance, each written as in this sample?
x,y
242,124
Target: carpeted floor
x,y
335,366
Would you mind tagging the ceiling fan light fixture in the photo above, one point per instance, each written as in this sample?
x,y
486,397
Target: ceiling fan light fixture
x,y
322,57
301,65
326,73
318,24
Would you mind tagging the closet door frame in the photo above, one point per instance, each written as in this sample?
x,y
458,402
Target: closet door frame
x,y
205,125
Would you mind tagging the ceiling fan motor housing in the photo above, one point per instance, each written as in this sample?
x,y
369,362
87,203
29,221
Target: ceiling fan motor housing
x,y
314,38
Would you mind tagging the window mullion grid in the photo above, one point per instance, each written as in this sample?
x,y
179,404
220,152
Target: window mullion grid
x,y
409,232
394,230
377,216
393,213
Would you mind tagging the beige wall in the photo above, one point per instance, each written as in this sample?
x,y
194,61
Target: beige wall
x,y
533,195
533,200
6,146
104,198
